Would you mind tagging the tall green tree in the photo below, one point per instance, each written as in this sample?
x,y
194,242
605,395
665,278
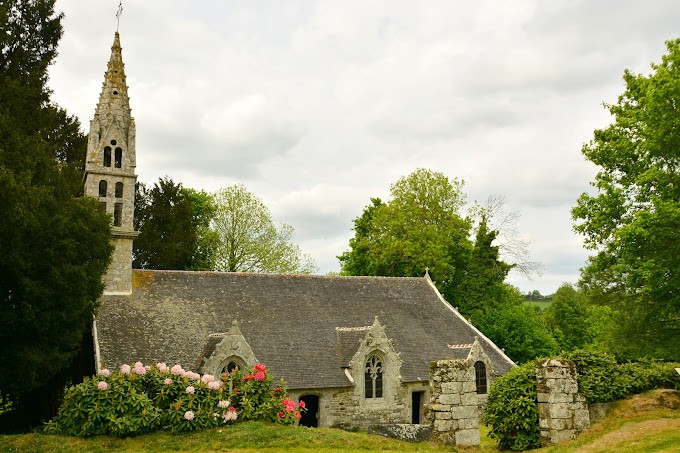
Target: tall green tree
x,y
632,222
420,228
567,318
54,248
173,224
482,286
248,240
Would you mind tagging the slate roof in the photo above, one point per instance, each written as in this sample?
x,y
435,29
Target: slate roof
x,y
305,328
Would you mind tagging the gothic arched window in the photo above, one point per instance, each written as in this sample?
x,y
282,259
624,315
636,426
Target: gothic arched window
x,y
231,366
107,156
373,377
119,158
480,377
119,190
102,188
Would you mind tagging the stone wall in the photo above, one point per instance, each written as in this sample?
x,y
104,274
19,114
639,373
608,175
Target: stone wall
x,y
453,408
562,411
344,408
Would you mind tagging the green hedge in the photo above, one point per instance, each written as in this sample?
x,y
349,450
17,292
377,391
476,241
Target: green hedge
x,y
601,379
512,408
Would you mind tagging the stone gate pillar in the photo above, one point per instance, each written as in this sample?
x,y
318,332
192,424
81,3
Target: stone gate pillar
x,y
453,409
562,411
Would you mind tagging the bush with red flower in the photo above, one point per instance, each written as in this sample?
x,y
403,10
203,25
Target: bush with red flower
x,y
138,399
256,398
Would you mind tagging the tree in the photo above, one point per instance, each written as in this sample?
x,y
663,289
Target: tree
x,y
518,329
632,222
481,288
54,248
248,240
567,318
173,225
503,222
419,229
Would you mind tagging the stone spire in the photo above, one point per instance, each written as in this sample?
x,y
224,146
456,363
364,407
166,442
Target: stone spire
x,y
110,168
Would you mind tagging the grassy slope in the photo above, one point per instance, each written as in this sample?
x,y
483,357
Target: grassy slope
x,y
639,424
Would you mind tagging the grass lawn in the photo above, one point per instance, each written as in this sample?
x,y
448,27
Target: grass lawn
x,y
639,424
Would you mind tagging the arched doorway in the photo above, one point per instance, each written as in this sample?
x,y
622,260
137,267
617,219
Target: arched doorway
x,y
311,417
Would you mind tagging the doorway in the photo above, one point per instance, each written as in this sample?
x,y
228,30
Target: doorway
x,y
417,400
311,417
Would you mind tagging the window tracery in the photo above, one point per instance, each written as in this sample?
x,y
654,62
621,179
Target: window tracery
x,y
373,377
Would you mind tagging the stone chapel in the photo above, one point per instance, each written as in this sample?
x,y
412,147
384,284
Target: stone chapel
x,y
357,350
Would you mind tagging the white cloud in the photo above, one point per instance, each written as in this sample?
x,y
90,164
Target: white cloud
x,y
318,106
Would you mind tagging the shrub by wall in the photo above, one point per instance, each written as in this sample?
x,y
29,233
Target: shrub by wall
x,y
140,399
601,379
512,409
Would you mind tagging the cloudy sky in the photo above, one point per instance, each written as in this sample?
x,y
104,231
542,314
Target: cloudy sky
x,y
316,106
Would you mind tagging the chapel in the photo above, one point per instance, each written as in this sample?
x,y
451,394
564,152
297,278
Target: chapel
x,y
357,350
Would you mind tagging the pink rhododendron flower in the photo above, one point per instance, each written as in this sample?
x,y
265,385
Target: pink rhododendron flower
x,y
167,381
139,365
288,405
281,415
189,415
259,376
298,415
102,385
105,372
125,368
223,404
191,390
207,378
177,370
301,405
191,375
229,416
214,385
139,370
162,367
259,367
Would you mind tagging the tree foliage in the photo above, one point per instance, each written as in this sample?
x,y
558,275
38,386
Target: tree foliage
x,y
54,248
173,224
248,240
632,222
517,328
420,229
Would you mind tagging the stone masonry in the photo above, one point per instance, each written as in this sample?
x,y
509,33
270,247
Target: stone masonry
x,y
562,411
453,408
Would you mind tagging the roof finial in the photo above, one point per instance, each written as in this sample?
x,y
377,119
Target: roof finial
x,y
119,12
427,271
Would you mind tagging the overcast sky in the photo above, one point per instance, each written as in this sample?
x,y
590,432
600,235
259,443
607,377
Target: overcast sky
x,y
317,106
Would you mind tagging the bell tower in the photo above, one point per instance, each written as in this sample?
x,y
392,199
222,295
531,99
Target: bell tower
x,y
110,168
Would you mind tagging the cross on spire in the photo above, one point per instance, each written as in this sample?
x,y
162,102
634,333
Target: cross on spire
x,y
119,12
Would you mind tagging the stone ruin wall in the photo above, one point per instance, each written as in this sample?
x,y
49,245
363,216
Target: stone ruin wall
x,y
562,410
453,409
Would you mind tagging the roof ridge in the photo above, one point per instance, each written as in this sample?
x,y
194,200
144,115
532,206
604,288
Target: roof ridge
x,y
271,274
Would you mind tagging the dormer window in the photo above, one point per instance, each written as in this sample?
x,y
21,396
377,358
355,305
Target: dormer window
x,y
373,377
107,156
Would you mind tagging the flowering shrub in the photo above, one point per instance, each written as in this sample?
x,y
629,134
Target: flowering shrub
x,y
139,399
255,398
110,406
